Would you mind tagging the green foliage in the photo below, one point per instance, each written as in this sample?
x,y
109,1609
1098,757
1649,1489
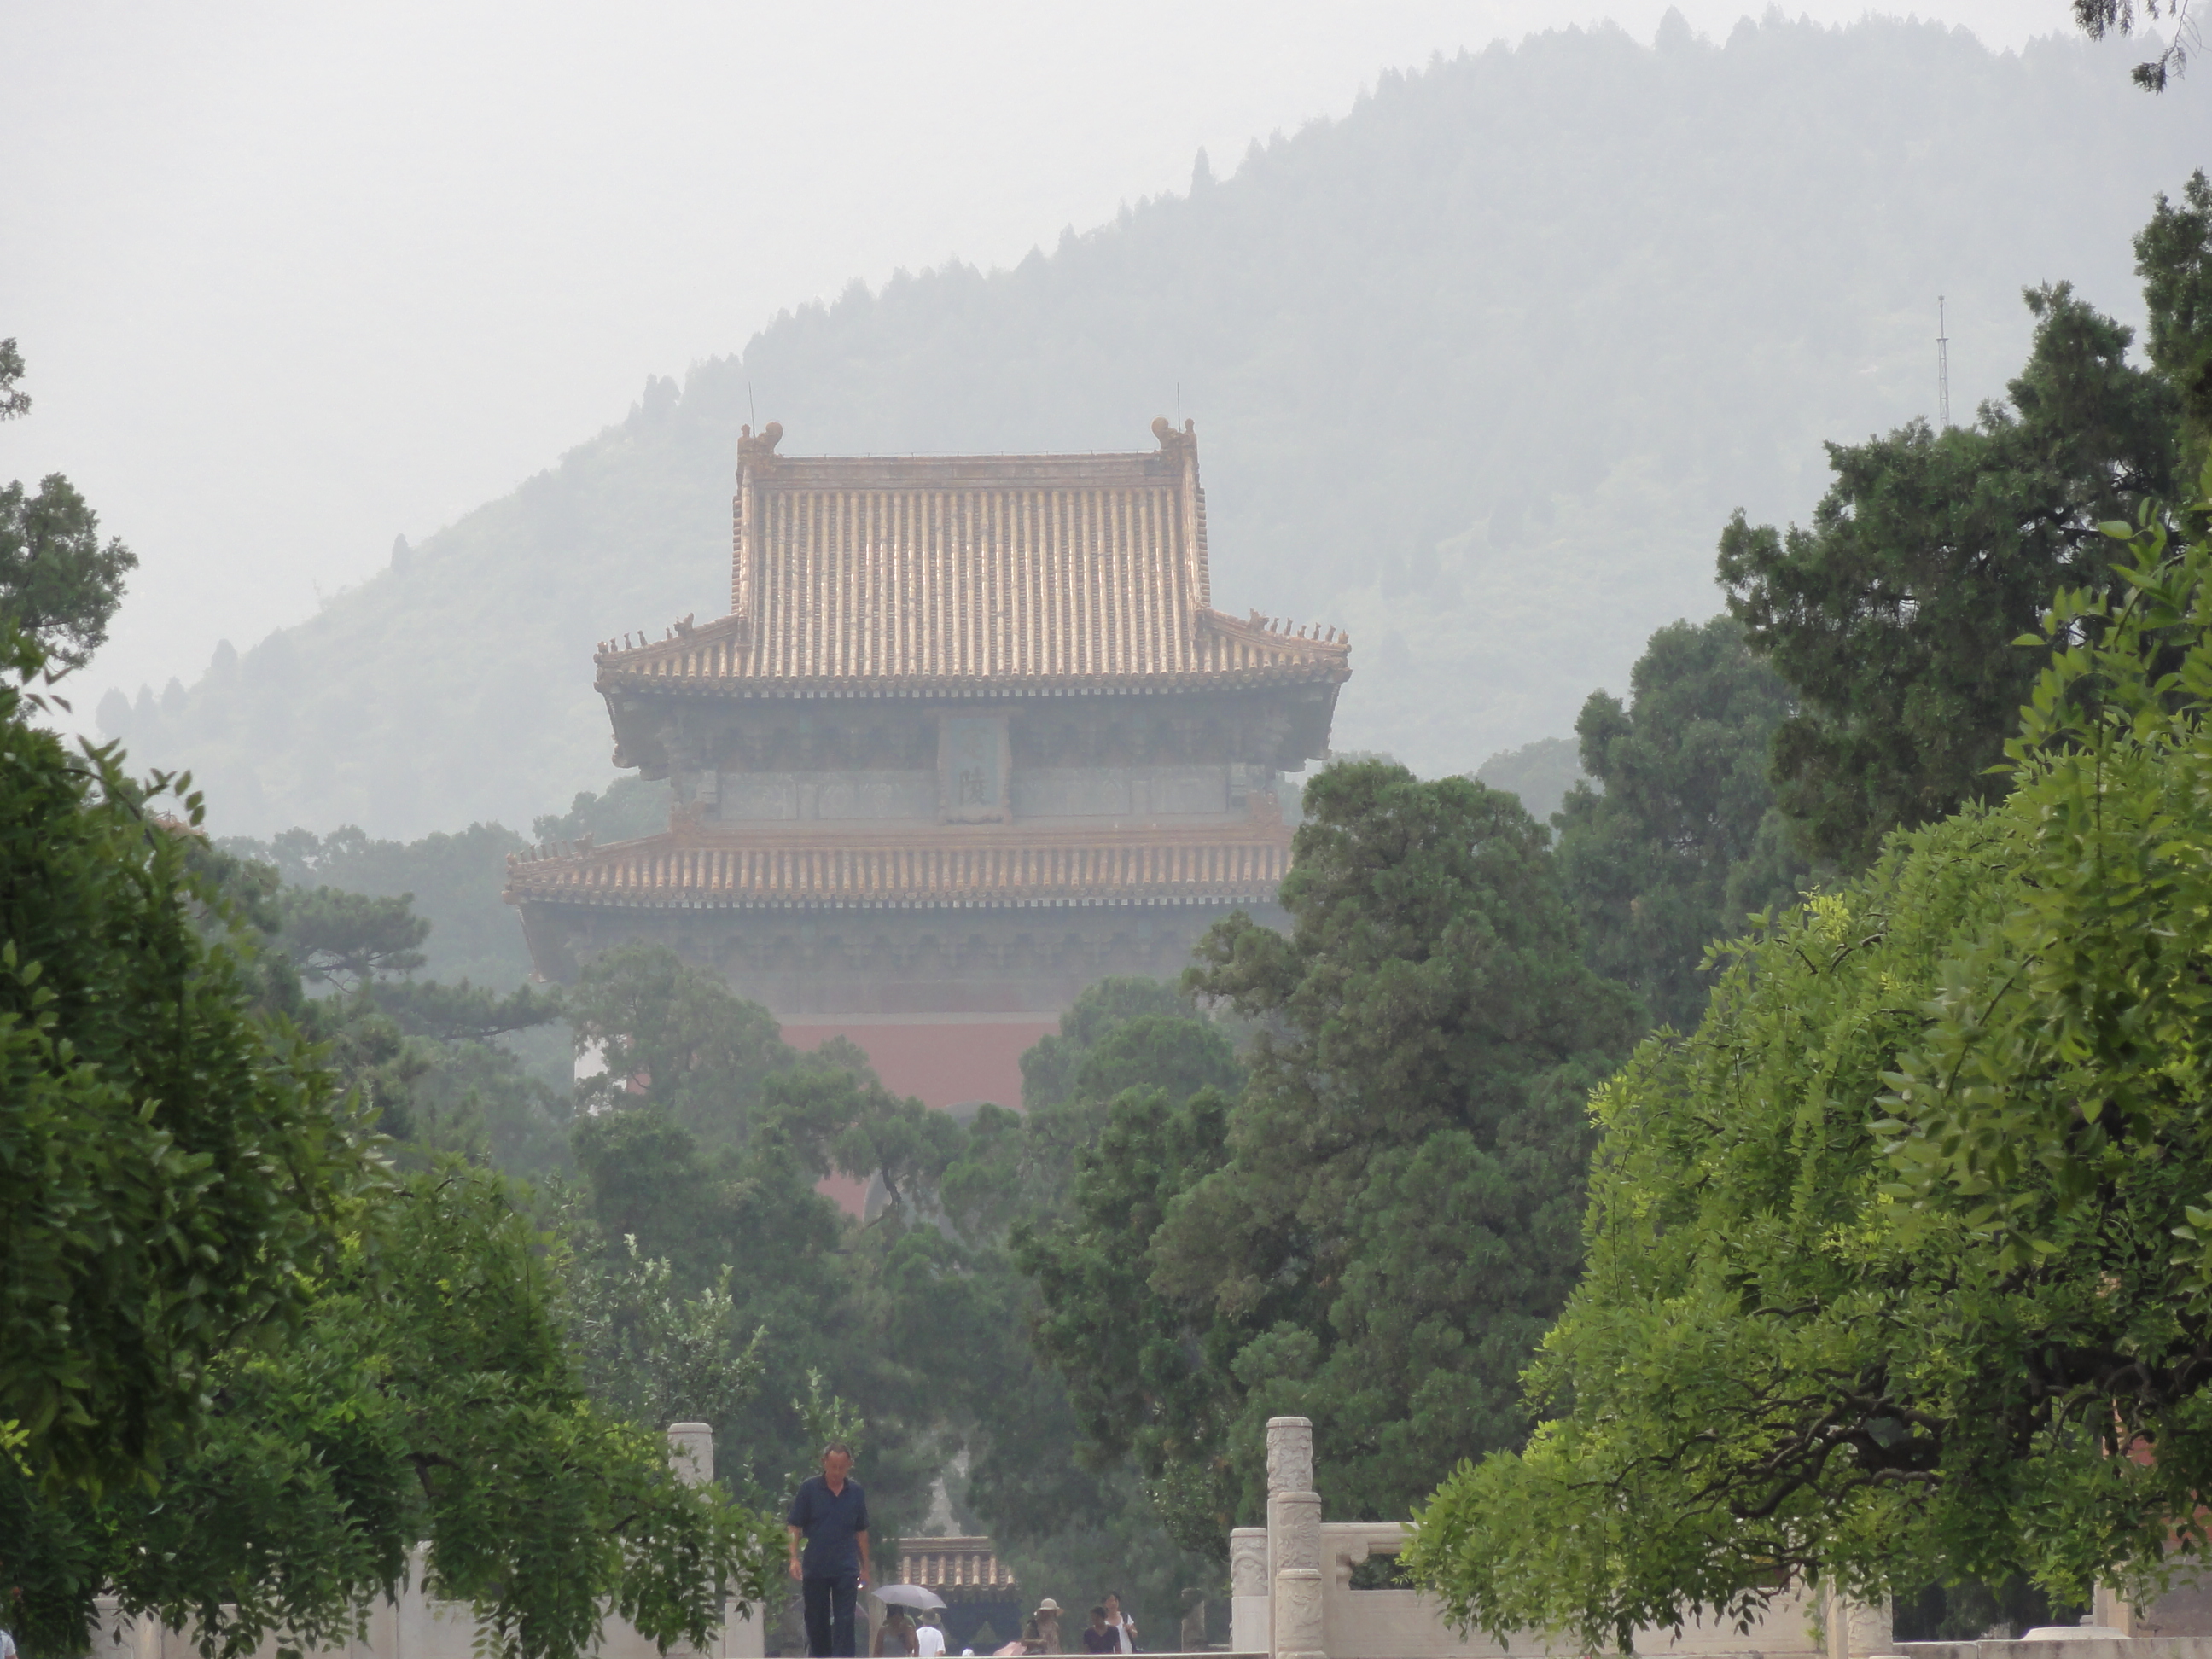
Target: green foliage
x,y
15,403
1892,617
1899,1267
246,1372
1120,1033
627,808
1049,1068
1541,774
2173,256
172,1171
707,1139
464,1013
475,1098
454,882
1125,1350
428,1395
681,1039
1682,839
2098,18
1376,1233
1426,411
647,1351
345,939
58,584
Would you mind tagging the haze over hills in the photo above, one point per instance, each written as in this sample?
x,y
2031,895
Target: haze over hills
x,y
1479,372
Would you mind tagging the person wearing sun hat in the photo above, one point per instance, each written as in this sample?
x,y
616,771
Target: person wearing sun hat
x,y
1048,1628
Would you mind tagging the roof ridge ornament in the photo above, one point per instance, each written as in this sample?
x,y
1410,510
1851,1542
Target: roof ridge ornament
x,y
760,448
1176,447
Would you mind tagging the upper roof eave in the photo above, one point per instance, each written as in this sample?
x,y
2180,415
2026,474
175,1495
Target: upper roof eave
x,y
696,659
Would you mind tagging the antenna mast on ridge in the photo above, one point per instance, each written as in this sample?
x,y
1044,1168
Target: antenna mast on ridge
x,y
1942,369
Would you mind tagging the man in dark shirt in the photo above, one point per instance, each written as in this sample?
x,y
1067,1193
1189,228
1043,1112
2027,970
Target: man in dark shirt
x,y
831,1511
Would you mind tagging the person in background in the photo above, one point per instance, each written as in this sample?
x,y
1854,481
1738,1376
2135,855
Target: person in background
x,y
831,1513
895,1639
1047,1618
1123,1626
1101,1637
929,1640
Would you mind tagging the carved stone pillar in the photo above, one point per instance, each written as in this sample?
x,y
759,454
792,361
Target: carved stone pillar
x,y
1248,1590
691,1456
1297,1625
1290,1454
691,1452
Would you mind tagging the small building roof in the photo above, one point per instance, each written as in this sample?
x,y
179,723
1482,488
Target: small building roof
x,y
952,1566
923,574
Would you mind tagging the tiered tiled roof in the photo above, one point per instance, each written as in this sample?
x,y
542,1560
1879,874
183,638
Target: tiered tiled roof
x,y
988,866
921,574
948,1565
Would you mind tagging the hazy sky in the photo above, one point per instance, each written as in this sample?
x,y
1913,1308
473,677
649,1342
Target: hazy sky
x,y
291,280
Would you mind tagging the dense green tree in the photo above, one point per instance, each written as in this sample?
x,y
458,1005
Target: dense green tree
x,y
246,1369
428,1396
1073,1516
628,807
1120,1033
431,1063
706,1146
464,1013
58,583
1050,1065
1892,619
454,882
1681,839
1540,773
647,1351
1901,1259
1126,1351
15,402
676,1037
1378,1232
2173,256
173,1170
346,939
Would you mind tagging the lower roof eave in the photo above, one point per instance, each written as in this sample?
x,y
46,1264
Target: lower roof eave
x,y
589,899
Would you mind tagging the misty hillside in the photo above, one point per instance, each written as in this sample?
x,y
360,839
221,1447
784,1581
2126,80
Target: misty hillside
x,y
1479,372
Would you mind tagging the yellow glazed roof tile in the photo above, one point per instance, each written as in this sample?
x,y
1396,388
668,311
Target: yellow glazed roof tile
x,y
921,572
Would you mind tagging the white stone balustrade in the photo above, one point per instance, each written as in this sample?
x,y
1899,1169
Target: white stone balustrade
x,y
1294,1599
412,1625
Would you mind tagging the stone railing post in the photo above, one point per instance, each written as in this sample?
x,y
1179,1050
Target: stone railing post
x,y
691,1456
691,1452
1296,1622
1856,1630
1248,1590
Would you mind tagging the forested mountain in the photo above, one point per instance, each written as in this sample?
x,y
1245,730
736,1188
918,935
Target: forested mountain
x,y
1480,372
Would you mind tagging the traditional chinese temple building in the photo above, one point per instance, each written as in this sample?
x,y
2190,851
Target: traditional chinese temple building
x,y
971,737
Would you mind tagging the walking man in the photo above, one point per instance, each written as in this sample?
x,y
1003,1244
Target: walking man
x,y
831,1511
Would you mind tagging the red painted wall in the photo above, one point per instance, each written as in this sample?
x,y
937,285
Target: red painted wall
x,y
948,1063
